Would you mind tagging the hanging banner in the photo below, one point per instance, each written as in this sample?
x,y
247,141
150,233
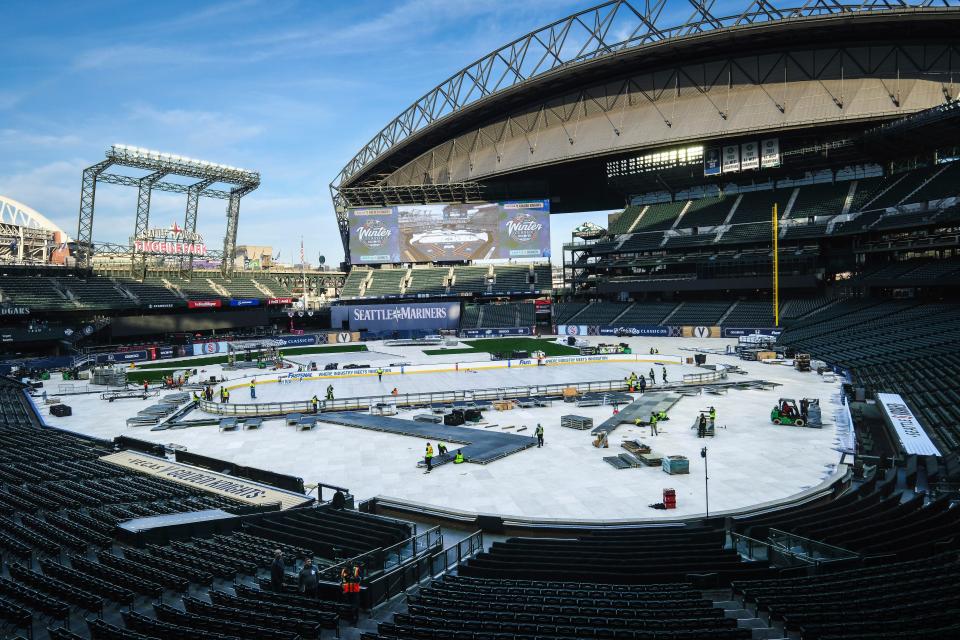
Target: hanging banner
x,y
279,300
711,161
770,153
244,302
749,155
731,158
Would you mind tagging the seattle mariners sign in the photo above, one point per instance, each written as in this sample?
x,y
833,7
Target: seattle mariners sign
x,y
398,317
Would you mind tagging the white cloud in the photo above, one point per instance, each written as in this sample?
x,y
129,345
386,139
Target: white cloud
x,y
18,137
198,129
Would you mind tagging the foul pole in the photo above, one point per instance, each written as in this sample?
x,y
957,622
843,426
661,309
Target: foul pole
x,y
776,269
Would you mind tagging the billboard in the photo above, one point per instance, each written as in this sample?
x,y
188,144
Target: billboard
x,y
450,232
431,316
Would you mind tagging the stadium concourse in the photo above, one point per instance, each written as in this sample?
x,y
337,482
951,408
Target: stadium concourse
x,y
751,460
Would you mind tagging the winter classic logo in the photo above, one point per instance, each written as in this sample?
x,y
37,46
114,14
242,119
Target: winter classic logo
x,y
523,227
572,330
373,234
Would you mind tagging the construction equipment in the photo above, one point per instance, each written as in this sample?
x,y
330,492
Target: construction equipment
x,y
801,362
787,413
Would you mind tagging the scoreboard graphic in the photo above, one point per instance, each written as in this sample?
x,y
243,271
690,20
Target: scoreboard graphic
x,y
450,232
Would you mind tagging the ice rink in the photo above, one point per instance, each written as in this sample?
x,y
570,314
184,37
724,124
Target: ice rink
x,y
750,460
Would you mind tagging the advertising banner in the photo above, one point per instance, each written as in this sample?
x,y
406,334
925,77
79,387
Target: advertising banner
x,y
450,232
165,352
700,332
203,304
913,438
731,158
749,155
160,305
414,316
770,153
244,302
496,333
297,341
711,161
209,348
737,332
572,330
651,330
343,337
279,300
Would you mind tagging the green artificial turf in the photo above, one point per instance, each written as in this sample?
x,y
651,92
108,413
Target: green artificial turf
x,y
443,352
509,345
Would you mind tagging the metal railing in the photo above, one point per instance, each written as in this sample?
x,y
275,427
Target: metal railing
x,y
425,568
813,552
386,559
408,399
787,549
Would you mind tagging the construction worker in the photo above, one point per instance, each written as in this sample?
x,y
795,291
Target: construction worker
x,y
653,377
226,392
196,397
713,416
643,384
395,392
653,424
379,374
664,375
702,426
146,386
441,448
539,433
458,459
662,416
428,457
223,395
253,388
329,392
315,402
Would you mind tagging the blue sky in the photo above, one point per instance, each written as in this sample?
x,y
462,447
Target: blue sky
x,y
292,89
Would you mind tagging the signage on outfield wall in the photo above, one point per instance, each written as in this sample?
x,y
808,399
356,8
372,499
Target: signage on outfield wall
x,y
221,484
125,356
244,302
700,332
14,311
496,333
170,241
160,305
653,330
203,304
297,341
412,316
279,300
343,337
737,332
913,438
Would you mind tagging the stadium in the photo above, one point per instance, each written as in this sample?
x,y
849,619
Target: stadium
x,y
731,412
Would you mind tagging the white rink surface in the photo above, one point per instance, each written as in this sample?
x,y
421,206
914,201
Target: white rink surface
x,y
750,460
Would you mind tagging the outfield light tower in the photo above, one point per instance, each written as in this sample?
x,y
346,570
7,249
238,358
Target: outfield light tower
x,y
160,165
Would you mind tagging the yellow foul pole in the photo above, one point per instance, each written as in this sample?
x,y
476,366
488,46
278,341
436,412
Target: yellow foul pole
x,y
776,269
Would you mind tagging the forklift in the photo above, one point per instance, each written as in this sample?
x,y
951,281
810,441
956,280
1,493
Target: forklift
x,y
787,413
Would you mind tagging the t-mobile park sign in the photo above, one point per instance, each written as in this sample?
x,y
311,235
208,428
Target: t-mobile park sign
x,y
171,241
398,317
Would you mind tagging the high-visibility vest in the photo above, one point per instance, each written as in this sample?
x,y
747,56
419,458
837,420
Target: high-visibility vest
x,y
429,451
458,459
